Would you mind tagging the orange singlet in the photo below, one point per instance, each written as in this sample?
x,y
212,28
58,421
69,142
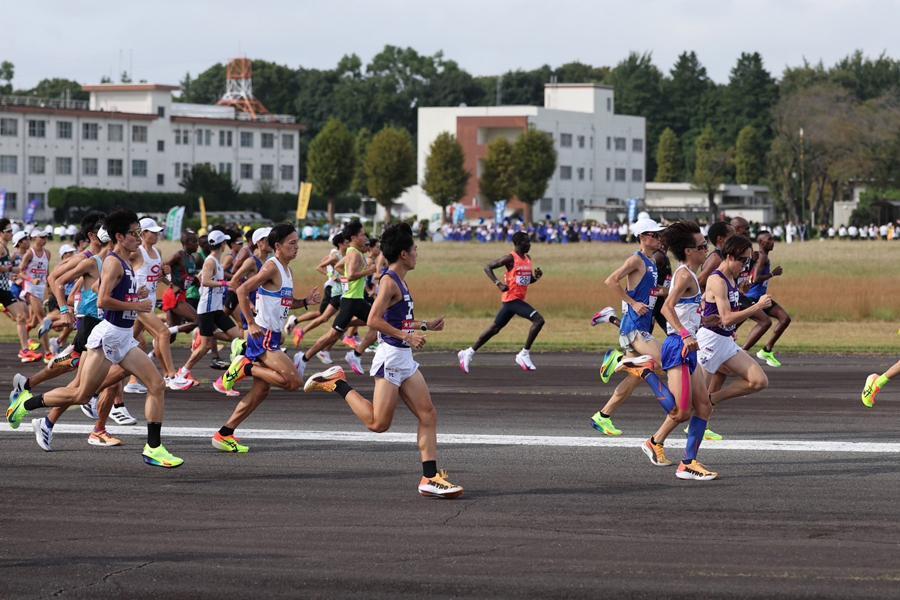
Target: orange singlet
x,y
517,279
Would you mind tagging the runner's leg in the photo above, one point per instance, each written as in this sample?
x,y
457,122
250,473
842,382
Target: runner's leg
x,y
750,378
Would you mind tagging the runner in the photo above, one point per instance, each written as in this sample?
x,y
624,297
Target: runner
x,y
331,299
519,275
663,281
259,253
717,234
762,322
264,360
11,304
760,275
35,269
112,343
396,373
875,383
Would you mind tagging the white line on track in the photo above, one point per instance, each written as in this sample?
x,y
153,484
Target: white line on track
x,y
489,439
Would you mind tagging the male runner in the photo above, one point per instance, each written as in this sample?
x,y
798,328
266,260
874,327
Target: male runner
x,y
331,299
10,301
875,383
759,278
259,252
396,373
34,269
663,280
717,234
519,275
112,343
762,321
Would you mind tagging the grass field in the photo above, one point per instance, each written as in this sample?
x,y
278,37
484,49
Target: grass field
x,y
842,296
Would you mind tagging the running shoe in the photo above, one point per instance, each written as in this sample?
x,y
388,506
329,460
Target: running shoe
x,y
604,315
236,372
610,363
373,348
121,416
178,383
325,357
656,453
42,434
183,372
238,346
298,336
54,346
769,357
90,409
299,363
45,327
48,358
135,388
289,324
354,362
350,341
636,366
604,425
695,471
33,345
219,386
709,435
325,381
228,443
465,359
439,487
523,359
30,356
19,384
102,438
68,358
16,411
160,457
219,365
870,392
196,340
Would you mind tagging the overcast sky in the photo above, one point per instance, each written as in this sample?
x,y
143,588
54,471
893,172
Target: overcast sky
x,y
164,39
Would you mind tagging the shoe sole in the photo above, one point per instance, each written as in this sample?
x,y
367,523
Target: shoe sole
x,y
649,453
322,377
691,477
155,463
603,431
93,442
227,449
131,422
449,496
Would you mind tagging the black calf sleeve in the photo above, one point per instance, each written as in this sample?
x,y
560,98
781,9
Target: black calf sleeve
x,y
343,388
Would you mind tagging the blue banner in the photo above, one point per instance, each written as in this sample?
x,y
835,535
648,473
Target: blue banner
x,y
499,210
632,210
33,206
2,202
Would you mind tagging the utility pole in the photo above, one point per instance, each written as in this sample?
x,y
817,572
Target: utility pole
x,y
802,188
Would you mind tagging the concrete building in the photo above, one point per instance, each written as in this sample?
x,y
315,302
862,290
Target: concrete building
x,y
135,137
601,155
681,201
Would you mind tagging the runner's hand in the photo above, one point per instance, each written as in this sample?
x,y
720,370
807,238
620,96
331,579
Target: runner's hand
x,y
538,273
640,308
436,325
68,318
777,271
315,296
144,306
167,270
254,330
765,300
503,287
690,345
143,292
415,340
710,321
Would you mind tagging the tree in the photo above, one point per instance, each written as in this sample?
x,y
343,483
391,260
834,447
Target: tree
x,y
534,162
749,157
7,72
359,184
217,189
710,163
330,163
498,177
748,98
445,172
668,158
638,91
390,166
58,88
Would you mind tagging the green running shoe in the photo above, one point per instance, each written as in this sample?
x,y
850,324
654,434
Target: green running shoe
x,y
238,347
709,435
160,457
610,362
228,444
769,357
236,372
16,411
870,392
604,425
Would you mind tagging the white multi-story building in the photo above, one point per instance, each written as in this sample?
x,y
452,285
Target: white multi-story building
x,y
601,155
135,137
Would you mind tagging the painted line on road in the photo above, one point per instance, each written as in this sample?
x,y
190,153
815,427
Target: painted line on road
x,y
489,439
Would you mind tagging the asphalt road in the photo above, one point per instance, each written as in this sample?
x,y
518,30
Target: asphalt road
x,y
311,514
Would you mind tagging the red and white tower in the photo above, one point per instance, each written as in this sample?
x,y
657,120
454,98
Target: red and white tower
x,y
239,89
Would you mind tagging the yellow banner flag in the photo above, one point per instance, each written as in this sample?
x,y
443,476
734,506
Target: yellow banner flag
x,y
303,197
203,213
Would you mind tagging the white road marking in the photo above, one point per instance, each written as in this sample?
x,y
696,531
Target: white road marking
x,y
487,439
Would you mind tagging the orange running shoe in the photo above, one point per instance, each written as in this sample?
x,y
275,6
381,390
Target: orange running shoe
x,y
637,366
439,487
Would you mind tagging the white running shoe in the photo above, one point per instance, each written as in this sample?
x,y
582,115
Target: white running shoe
x,y
300,364
43,434
325,357
179,383
90,409
121,416
604,315
465,359
289,324
354,362
19,382
54,346
135,388
523,359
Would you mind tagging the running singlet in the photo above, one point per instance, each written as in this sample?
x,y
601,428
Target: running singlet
x,y
734,301
150,272
212,299
400,315
87,306
518,279
645,292
125,291
758,289
355,289
259,265
5,261
36,275
272,308
687,309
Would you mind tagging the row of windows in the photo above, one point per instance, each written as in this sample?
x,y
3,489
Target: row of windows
x,y
565,174
12,200
620,143
37,165
204,137
546,205
266,171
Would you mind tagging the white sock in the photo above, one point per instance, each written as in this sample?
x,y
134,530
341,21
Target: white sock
x,y
173,329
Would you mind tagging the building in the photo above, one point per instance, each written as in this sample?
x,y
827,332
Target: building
x,y
601,155
682,201
136,137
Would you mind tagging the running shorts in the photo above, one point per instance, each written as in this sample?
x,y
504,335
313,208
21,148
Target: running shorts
x,y
351,307
171,299
211,321
394,364
231,300
326,300
116,342
85,327
715,350
7,298
269,341
513,308
671,354
626,340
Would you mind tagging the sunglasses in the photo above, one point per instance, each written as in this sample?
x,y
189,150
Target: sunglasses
x,y
704,246
7,230
135,232
653,234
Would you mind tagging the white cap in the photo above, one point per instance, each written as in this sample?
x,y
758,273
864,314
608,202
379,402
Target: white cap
x,y
148,224
642,226
259,234
38,232
103,235
217,237
18,237
65,249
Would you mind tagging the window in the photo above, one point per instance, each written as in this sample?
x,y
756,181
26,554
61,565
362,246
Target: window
x,y
620,174
38,197
208,137
177,137
287,141
177,170
580,205
185,168
160,179
581,141
608,143
9,127
139,168
267,140
114,167
37,129
565,172
562,205
609,105
546,205
267,172
591,171
225,167
565,140
64,130
11,200
247,139
89,166
89,131
161,112
63,165
198,134
230,139
139,134
637,145
37,165
221,138
114,133
620,143
580,173
160,145
287,172
637,174
9,164
246,169
607,173
185,137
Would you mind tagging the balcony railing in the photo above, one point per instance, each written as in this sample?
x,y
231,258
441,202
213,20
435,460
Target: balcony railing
x,y
44,102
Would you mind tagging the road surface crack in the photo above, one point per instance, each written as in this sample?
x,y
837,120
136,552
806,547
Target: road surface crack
x,y
103,579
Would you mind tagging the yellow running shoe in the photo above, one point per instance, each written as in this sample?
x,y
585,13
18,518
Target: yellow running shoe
x,y
656,453
228,443
160,457
235,372
325,381
610,362
870,392
439,487
16,412
708,436
604,425
695,471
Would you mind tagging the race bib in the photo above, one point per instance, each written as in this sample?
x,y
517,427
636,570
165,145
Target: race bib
x,y
345,285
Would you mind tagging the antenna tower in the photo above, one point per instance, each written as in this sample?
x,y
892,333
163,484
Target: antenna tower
x,y
239,89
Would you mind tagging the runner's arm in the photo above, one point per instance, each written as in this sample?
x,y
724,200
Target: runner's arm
x,y
507,261
757,276
711,264
244,290
173,262
207,273
355,261
243,270
632,264
328,261
389,294
728,317
77,270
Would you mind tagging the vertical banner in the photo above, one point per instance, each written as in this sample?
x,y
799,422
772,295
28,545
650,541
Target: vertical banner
x,y
33,206
2,202
203,213
632,210
174,220
303,197
499,211
459,215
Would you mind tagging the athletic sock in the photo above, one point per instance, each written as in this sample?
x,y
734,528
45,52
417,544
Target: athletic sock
x,y
28,384
48,423
226,431
663,395
356,352
343,388
696,429
429,468
118,404
653,440
153,432
882,381
247,368
303,358
34,402
173,329
603,414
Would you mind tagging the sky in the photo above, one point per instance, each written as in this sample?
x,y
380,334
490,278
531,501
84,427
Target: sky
x,y
164,39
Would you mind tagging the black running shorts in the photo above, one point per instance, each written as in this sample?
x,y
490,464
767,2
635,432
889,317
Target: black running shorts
x,y
508,310
85,327
7,298
351,307
211,321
